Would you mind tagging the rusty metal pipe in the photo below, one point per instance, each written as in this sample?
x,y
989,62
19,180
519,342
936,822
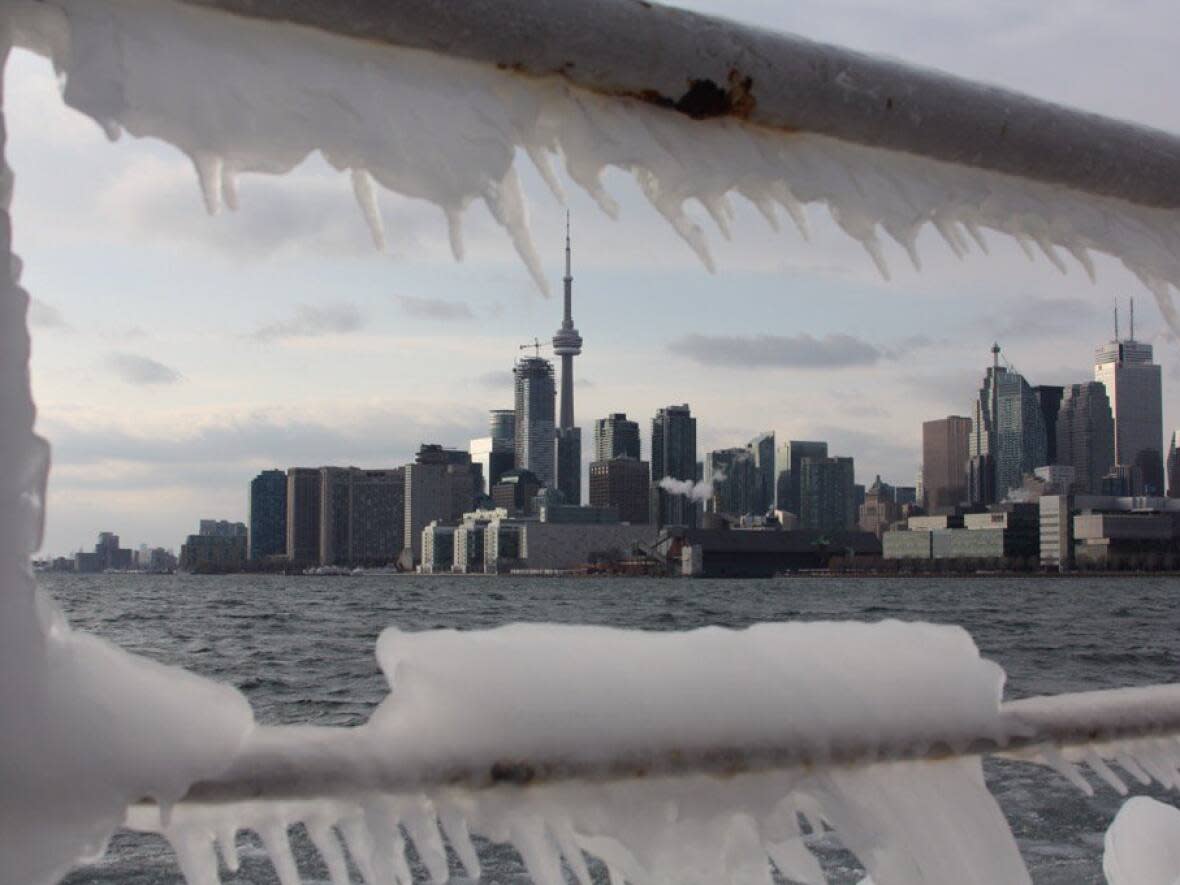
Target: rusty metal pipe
x,y
706,67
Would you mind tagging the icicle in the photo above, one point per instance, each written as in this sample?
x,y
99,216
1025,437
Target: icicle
x,y
227,843
229,188
946,229
454,825
720,211
1050,253
455,231
540,159
1104,771
795,862
422,827
389,846
532,840
208,167
278,846
362,188
506,203
977,235
794,208
1053,758
1128,764
324,838
195,856
360,846
673,211
1083,258
567,842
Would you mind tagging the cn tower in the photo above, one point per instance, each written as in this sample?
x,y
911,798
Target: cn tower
x,y
567,343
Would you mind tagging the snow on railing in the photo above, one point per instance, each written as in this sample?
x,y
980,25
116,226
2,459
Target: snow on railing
x,y
678,758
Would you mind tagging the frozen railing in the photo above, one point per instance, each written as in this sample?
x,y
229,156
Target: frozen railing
x,y
669,766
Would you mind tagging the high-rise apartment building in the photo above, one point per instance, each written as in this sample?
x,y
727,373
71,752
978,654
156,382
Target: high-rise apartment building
x,y
826,499
1085,435
737,485
334,484
303,515
268,514
1134,386
502,427
674,455
945,444
1008,427
762,449
616,437
567,344
622,483
787,462
441,485
376,516
1174,466
535,431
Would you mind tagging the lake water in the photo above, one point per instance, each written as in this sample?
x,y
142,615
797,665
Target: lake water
x,y
301,649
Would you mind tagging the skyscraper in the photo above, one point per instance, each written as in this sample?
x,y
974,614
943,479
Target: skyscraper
x,y
333,546
945,443
441,485
1008,427
762,449
736,484
1085,435
826,499
303,515
616,437
502,426
1134,386
1174,466
787,462
536,435
268,514
494,457
567,344
376,516
621,483
1049,397
673,454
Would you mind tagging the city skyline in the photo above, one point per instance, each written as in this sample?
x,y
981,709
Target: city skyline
x,y
273,336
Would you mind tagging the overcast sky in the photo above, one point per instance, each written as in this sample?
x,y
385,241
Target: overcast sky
x,y
175,355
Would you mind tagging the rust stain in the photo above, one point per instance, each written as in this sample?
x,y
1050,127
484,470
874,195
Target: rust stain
x,y
705,99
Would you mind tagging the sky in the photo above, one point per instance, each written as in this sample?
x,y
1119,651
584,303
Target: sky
x,y
176,354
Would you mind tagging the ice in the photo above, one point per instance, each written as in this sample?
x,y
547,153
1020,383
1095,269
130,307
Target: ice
x,y
1143,844
550,697
240,96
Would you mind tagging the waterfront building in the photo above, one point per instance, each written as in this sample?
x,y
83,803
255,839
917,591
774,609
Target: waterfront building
x,y
1012,531
826,500
494,456
1008,427
879,510
616,437
1174,467
107,556
536,432
1133,383
268,515
788,461
737,485
441,485
762,449
515,492
1049,397
376,516
303,515
673,455
567,344
438,549
219,547
502,427
622,484
333,548
1085,435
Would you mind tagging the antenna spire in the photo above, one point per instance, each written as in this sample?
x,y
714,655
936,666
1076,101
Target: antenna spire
x,y
568,273
1132,318
1116,319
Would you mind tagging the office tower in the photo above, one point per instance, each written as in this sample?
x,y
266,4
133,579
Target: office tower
x,y
268,514
1009,428
903,495
1085,435
945,443
616,437
1174,467
333,547
502,426
1049,398
879,510
621,483
567,344
219,528
441,485
673,455
535,432
787,463
1134,386
303,515
762,449
515,492
826,500
494,456
376,516
737,486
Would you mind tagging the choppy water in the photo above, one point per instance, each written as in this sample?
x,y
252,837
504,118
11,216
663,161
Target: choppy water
x,y
302,648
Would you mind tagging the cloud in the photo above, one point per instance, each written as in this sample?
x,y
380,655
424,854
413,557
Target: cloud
x,y
760,351
135,369
45,316
434,308
498,379
310,321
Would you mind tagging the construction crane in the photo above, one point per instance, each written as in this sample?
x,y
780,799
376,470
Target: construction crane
x,y
536,345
